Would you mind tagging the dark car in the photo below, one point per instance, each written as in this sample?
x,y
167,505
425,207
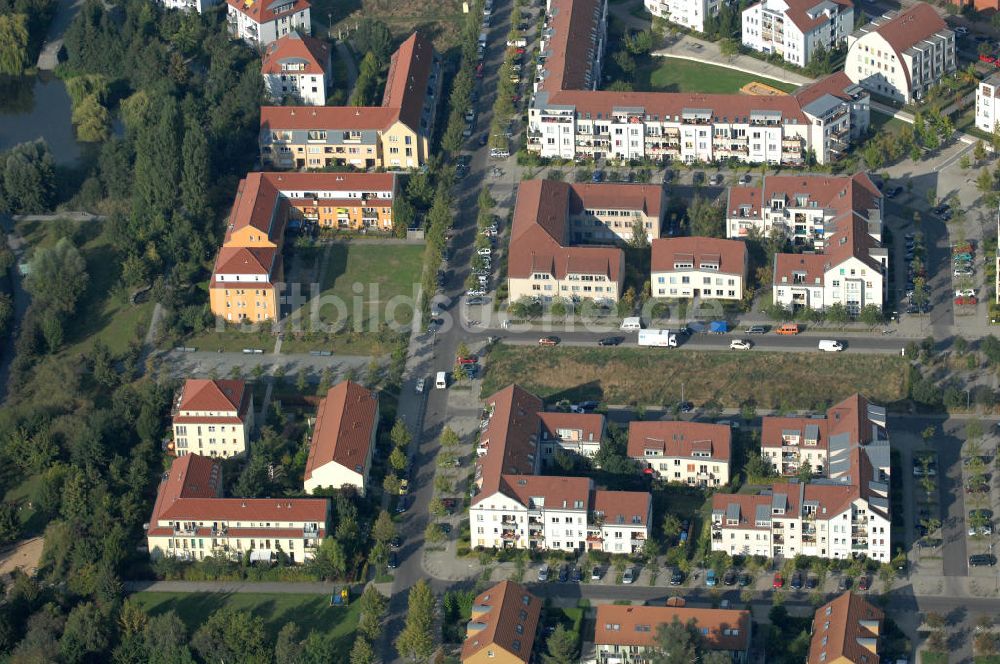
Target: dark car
x,y
402,505
396,542
668,175
698,177
729,578
393,560
811,582
549,341
610,341
717,179
745,580
676,577
445,528
982,560
756,329
796,583
595,574
563,573
597,176
843,584
892,192
575,576
483,140
686,406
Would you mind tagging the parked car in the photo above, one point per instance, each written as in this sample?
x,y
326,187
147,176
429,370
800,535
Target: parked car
x,y
676,576
575,576
745,580
563,573
864,582
472,301
471,359
610,341
597,176
419,387
779,581
710,580
982,560
396,542
549,341
595,574
740,344
745,179
729,578
393,562
966,301
892,192
756,329
812,582
402,505
796,583
404,486
843,583
789,329
543,573
685,406
629,575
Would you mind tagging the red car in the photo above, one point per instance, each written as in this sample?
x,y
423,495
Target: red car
x,y
988,59
864,583
779,582
471,359
479,70
970,300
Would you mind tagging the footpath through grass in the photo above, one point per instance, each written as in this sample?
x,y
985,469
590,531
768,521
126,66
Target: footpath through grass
x,y
652,376
309,612
666,74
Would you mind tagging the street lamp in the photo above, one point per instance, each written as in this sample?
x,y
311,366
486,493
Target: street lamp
x,y
968,399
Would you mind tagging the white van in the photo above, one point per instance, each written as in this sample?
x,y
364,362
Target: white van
x,y
441,382
632,324
499,153
830,345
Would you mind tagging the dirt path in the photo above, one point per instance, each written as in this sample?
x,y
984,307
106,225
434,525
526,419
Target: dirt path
x,y
24,555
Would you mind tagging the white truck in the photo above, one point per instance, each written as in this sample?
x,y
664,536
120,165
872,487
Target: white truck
x,y
659,338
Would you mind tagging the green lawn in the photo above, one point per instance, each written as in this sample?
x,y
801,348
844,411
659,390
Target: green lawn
x,y
666,74
32,523
309,612
880,121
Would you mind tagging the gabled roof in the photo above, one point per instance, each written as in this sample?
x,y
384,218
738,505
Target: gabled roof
x,y
847,627
213,395
679,439
511,436
345,421
722,629
406,83
774,428
245,260
909,27
552,492
744,509
539,240
504,616
312,53
810,267
729,255
264,11
590,425
809,14
330,118
626,508
644,198
257,205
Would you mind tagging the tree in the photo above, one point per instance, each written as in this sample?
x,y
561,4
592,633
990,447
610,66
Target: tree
x,y
671,526
706,219
403,216
373,607
979,152
57,277
400,435
362,652
195,169
28,178
157,163
675,644
561,647
13,43
92,120
384,528
373,36
232,636
367,81
837,313
729,47
984,181
640,240
416,641
449,438
871,315
288,647
397,459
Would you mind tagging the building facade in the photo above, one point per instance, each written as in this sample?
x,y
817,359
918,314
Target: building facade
x,y
569,119
502,627
794,29
575,433
609,213
702,267
213,418
988,104
191,520
691,453
543,261
902,56
624,634
688,13
297,69
199,6
393,136
514,507
261,22
343,440
846,630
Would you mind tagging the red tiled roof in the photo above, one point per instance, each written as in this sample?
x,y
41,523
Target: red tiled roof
x,y
622,507
555,492
637,625
731,255
798,13
571,43
277,118
912,26
316,181
748,508
590,425
773,427
245,260
812,266
836,84
256,205
504,616
214,395
293,47
838,628
636,197
264,11
850,416
679,439
406,83
345,420
539,239
512,436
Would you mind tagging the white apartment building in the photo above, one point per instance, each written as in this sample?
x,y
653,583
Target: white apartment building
x,y
988,104
576,433
794,29
297,68
191,520
901,56
213,418
343,440
606,213
514,507
692,453
199,6
803,208
702,267
569,119
260,22
688,13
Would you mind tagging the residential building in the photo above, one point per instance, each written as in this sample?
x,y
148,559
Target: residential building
x,y
795,29
503,625
902,55
200,6
514,507
978,5
988,104
343,440
297,68
569,119
393,136
543,260
212,418
624,634
576,433
608,213
261,22
829,518
820,442
703,267
851,271
692,453
191,520
688,13
846,630
248,274
803,208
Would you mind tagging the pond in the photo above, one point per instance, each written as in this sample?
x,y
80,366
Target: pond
x,y
38,107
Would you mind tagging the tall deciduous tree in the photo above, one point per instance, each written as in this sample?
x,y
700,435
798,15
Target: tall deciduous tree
x,y
561,647
13,44
195,170
29,178
416,641
57,277
232,636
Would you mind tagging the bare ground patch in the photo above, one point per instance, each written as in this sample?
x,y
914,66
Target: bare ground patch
x,y
25,554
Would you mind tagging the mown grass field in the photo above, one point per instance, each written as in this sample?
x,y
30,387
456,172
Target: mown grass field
x,y
665,74
653,377
309,612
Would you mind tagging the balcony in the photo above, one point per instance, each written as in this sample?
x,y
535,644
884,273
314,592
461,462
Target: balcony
x,y
508,536
716,535
508,520
638,536
859,546
779,539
